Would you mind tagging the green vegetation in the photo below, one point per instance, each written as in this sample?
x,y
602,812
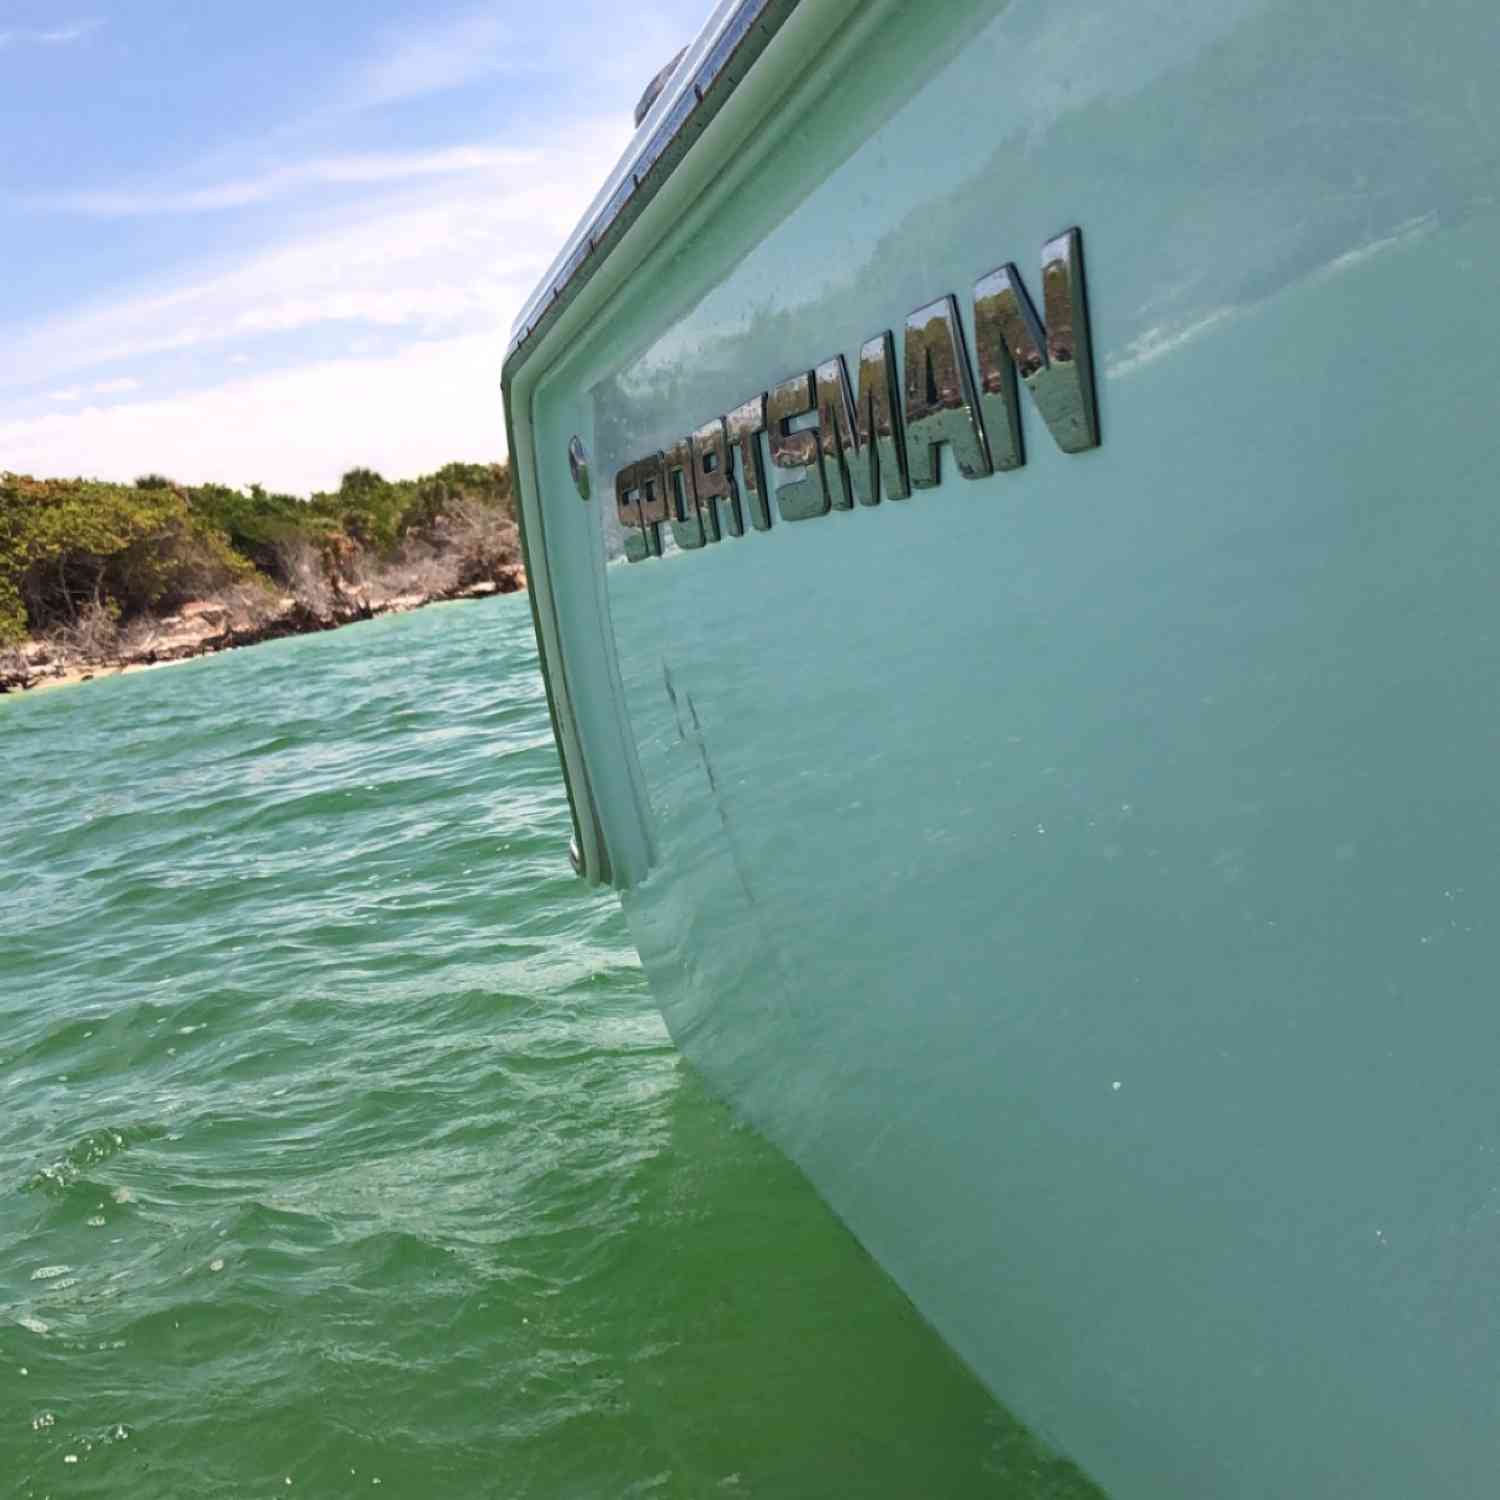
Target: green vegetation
x,y
74,551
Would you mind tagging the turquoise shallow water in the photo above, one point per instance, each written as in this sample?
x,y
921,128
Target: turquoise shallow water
x,y
342,1147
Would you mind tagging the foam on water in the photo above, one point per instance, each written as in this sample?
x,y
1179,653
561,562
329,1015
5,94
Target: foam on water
x,y
343,1145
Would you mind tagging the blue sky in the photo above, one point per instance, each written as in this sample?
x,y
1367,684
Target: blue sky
x,y
270,242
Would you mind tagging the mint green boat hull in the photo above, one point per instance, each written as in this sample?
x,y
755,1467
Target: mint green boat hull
x,y
1088,873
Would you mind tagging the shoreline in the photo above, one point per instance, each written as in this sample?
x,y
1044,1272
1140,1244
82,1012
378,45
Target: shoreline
x,y
202,628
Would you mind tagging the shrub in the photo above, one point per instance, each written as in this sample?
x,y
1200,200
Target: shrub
x,y
93,634
68,545
70,548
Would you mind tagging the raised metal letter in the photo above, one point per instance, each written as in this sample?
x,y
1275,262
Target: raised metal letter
x,y
682,497
837,431
713,474
640,497
940,403
800,499
860,437
744,426
1055,361
878,406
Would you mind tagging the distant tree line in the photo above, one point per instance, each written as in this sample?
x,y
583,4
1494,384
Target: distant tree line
x,y
75,551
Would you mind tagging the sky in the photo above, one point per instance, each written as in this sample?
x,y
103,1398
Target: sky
x,y
268,243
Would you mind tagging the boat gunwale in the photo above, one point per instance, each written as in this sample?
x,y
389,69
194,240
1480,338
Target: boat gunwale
x,y
715,65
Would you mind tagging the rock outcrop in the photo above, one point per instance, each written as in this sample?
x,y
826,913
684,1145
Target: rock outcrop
x,y
205,626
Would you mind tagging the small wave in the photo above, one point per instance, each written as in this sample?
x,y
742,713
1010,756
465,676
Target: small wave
x,y
63,1038
393,1258
88,1151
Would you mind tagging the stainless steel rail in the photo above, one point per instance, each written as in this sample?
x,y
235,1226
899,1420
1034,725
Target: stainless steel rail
x,y
702,81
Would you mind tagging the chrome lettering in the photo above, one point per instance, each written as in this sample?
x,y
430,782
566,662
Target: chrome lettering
x,y
838,431
682,497
797,499
878,412
744,426
713,475
640,490
1054,361
862,443
940,403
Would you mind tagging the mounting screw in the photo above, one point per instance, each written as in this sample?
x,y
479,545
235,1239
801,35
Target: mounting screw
x,y
578,462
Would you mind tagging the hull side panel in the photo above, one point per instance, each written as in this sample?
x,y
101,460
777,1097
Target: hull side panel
x,y
1086,873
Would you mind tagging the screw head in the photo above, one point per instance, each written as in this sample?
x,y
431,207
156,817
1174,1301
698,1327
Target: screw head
x,y
578,462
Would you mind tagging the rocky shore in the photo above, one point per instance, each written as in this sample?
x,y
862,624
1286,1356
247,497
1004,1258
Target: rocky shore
x,y
203,627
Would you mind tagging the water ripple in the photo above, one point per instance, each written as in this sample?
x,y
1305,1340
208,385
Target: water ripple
x,y
342,1142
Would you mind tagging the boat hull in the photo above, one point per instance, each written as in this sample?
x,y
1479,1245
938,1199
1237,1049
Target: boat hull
x,y
1086,872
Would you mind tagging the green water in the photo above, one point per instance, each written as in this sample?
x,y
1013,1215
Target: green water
x,y
341,1145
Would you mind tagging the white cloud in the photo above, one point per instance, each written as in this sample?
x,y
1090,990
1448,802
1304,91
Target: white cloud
x,y
298,430
334,171
413,275
570,51
435,275
57,36
431,266
439,55
120,387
